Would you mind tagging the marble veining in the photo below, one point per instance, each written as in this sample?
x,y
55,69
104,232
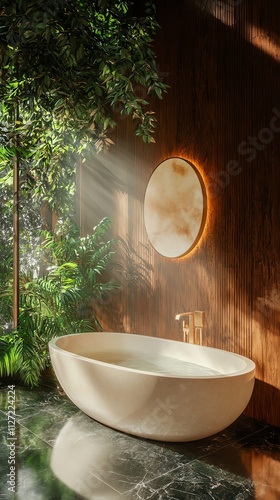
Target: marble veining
x,y
62,453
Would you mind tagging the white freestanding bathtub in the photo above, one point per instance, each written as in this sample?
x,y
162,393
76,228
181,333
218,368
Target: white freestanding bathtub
x,y
154,388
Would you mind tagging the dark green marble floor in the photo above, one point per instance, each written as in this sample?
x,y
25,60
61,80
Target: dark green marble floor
x,y
51,450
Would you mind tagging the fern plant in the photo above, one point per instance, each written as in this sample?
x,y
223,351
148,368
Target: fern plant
x,y
62,301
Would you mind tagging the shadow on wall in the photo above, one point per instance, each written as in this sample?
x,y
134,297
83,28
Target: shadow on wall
x,y
270,396
132,272
266,313
247,237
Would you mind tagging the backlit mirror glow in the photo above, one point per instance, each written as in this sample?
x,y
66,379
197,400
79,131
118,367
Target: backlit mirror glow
x,y
175,207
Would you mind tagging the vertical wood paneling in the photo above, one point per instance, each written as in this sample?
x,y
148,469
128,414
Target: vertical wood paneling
x,y
225,78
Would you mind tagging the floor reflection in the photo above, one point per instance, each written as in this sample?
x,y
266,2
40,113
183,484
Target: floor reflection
x,y
85,460
63,454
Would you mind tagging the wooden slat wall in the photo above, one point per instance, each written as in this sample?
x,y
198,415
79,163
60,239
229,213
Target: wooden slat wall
x,y
225,83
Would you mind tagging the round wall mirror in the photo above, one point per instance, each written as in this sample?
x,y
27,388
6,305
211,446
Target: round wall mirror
x,y
175,207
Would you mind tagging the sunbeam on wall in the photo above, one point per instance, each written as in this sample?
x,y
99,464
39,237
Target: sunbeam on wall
x,y
226,11
100,180
107,187
223,10
264,41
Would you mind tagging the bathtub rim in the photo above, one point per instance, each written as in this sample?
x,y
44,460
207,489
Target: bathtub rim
x,y
249,368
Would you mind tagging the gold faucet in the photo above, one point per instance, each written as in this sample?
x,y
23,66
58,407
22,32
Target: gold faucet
x,y
193,326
